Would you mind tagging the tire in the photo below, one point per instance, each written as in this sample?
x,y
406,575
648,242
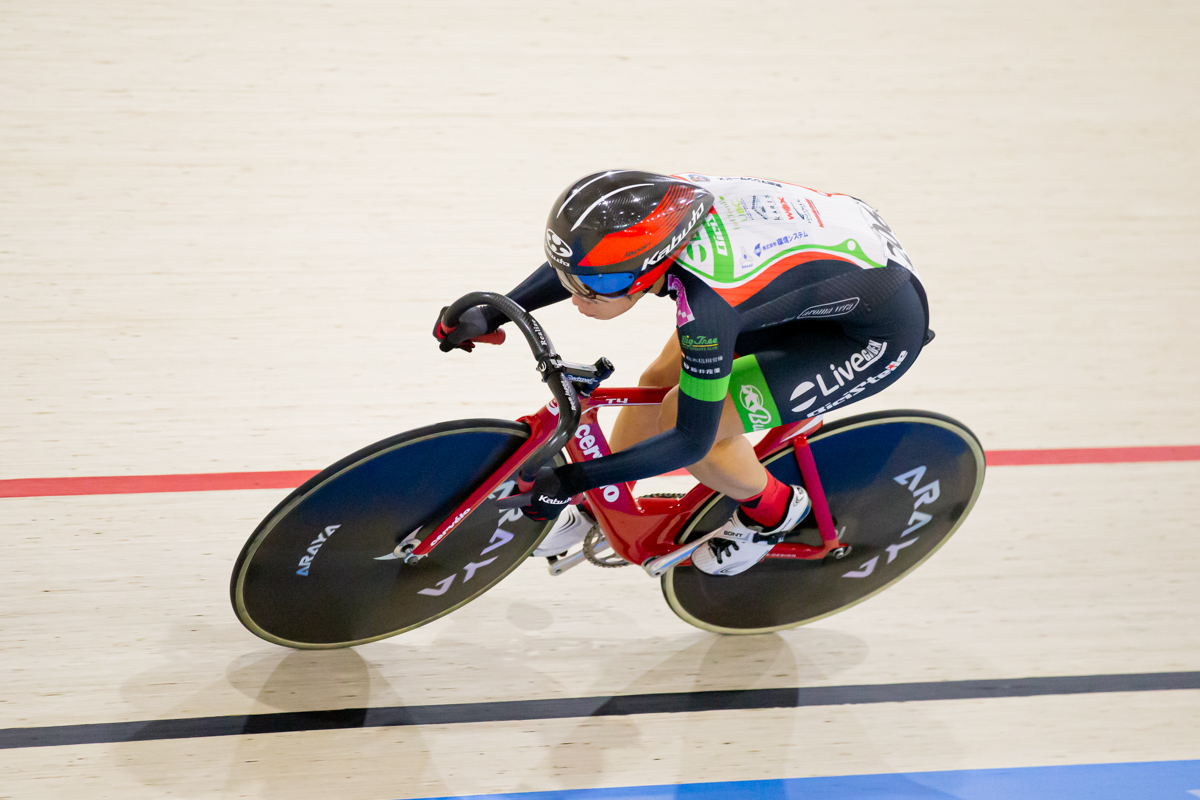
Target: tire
x,y
879,498
311,577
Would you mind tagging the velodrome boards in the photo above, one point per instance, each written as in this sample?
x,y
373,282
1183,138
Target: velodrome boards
x,y
224,234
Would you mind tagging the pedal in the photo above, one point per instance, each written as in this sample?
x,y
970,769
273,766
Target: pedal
x,y
657,566
560,565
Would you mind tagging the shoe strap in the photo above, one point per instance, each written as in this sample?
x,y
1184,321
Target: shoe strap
x,y
763,534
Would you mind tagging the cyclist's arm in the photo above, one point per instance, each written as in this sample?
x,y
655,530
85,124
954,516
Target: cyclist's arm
x,y
539,290
707,344
685,444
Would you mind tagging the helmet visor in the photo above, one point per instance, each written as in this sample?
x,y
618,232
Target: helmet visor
x,y
612,284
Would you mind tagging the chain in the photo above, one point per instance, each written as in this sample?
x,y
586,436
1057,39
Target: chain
x,y
591,542
594,537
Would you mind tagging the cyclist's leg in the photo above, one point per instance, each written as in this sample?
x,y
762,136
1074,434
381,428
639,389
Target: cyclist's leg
x,y
637,423
789,374
782,379
730,466
811,368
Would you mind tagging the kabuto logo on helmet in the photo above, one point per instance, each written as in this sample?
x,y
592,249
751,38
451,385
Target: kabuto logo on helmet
x,y
626,223
700,210
555,246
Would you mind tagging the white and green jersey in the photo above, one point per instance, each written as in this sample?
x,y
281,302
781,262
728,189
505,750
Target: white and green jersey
x,y
759,228
770,254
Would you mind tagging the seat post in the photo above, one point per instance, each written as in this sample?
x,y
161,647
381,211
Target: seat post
x,y
812,485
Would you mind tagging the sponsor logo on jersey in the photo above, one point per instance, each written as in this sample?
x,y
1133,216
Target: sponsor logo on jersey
x,y
698,342
730,216
764,207
713,226
747,262
787,210
698,178
757,412
816,213
766,247
843,375
695,253
796,208
683,311
895,251
761,180
835,309
739,208
695,365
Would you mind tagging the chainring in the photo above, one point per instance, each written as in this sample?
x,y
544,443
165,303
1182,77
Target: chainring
x,y
591,541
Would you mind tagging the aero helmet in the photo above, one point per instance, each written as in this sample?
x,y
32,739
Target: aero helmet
x,y
613,233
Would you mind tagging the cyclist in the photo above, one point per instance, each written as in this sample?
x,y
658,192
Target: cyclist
x,y
789,303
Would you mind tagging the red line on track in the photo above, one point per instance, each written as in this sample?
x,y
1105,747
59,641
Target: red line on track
x,y
1080,455
1093,455
145,484
230,481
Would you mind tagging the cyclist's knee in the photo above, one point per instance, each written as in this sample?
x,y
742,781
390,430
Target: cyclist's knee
x,y
664,370
653,376
668,410
730,425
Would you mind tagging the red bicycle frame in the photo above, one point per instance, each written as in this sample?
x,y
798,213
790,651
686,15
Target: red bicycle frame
x,y
639,529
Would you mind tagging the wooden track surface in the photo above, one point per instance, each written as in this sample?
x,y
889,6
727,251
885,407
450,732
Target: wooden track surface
x,y
227,228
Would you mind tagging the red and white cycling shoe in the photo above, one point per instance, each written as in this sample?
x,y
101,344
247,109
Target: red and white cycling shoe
x,y
742,543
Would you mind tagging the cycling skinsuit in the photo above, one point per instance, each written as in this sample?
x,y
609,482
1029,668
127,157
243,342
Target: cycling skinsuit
x,y
792,301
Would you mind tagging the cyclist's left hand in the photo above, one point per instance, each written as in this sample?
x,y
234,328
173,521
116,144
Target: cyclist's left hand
x,y
472,327
548,499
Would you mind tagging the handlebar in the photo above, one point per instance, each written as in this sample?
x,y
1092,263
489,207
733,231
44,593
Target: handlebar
x,y
559,375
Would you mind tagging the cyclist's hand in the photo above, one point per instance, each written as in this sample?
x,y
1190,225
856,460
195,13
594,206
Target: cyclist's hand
x,y
548,498
472,327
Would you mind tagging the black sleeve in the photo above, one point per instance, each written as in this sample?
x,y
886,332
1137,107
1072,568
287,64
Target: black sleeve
x,y
706,336
540,289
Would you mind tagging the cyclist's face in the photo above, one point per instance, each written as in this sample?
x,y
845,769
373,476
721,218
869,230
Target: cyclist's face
x,y
604,307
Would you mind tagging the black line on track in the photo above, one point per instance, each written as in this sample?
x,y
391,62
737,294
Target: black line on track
x,y
577,707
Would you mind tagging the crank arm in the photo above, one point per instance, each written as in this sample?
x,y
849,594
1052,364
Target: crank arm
x,y
560,565
657,566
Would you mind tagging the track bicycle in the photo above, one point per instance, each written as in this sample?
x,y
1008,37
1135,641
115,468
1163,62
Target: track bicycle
x,y
417,525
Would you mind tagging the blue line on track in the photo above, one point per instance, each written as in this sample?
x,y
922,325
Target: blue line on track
x,y
1156,780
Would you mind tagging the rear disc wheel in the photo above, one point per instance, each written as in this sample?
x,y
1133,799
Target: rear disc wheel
x,y
899,484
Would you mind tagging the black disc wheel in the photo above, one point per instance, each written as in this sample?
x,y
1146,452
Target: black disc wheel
x,y
321,572
899,484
